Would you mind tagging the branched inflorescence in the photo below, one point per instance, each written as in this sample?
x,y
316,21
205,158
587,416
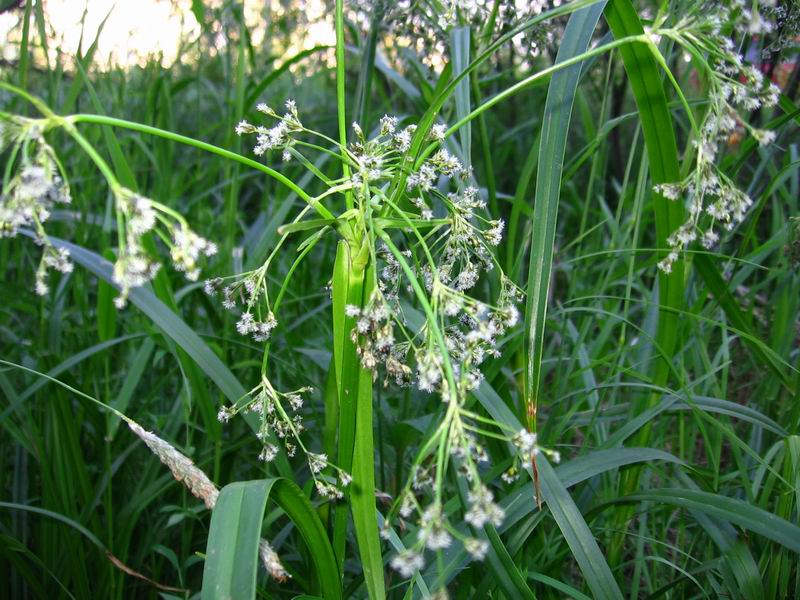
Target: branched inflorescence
x,y
34,191
39,186
425,323
427,26
712,198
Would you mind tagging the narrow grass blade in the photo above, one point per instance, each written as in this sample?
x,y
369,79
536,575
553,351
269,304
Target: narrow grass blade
x,y
578,535
732,510
569,519
91,537
558,111
132,378
557,114
301,512
261,86
644,76
502,565
106,311
367,69
567,590
459,55
712,278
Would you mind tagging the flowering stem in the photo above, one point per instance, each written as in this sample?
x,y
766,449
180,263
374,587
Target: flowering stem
x,y
426,307
352,285
182,139
101,164
521,85
40,106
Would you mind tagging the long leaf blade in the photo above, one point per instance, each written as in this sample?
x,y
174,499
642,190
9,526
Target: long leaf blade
x,y
231,565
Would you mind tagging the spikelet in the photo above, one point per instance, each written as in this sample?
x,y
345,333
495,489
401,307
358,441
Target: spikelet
x,y
183,469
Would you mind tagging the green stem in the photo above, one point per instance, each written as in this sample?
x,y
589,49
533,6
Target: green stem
x,y
182,139
521,85
340,94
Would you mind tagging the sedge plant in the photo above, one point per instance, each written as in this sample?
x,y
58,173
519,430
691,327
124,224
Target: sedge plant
x,y
403,227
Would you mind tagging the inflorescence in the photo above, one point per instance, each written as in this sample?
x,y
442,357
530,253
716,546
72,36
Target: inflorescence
x,y
714,200
39,186
425,227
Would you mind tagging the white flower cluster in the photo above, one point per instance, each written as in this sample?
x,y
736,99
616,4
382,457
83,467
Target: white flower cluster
x,y
482,509
187,249
407,562
374,336
134,267
139,216
278,137
735,87
250,290
271,406
426,26
38,186
31,195
27,202
472,334
528,449
434,531
57,259
279,414
431,247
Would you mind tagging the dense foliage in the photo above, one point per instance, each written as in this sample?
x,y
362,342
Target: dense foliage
x,y
483,300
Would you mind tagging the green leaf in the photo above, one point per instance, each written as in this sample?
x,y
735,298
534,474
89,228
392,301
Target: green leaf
x,y
459,55
739,566
362,494
557,114
232,553
569,519
298,508
73,361
644,76
352,286
577,534
599,461
732,510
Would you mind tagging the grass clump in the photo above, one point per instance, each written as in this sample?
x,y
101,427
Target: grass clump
x,y
497,304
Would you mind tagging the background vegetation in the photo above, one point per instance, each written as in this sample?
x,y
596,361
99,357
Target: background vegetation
x,y
673,400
